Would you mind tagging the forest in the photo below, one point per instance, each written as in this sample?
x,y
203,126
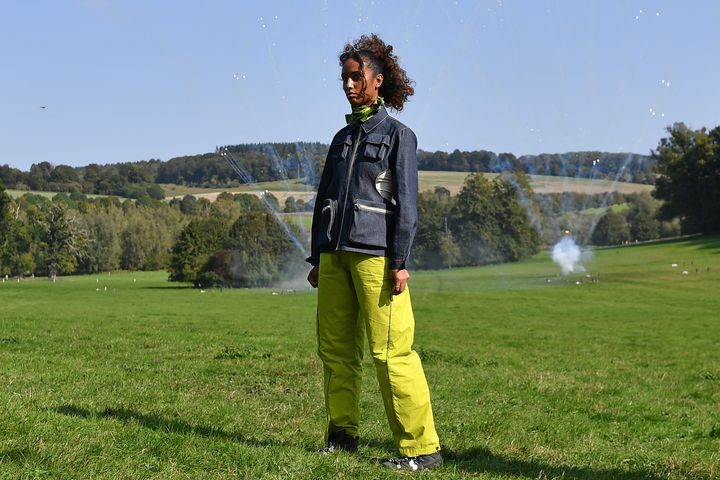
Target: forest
x,y
285,161
241,240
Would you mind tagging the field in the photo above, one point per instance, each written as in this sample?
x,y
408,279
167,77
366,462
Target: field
x,y
48,195
428,180
533,376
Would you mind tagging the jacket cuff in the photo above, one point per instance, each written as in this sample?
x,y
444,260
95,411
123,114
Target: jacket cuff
x,y
397,264
313,261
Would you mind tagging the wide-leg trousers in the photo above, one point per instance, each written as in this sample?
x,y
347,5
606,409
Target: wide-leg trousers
x,y
355,298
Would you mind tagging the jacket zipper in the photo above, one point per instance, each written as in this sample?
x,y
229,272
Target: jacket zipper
x,y
347,184
384,211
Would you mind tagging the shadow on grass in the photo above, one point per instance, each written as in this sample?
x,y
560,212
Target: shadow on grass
x,y
482,460
156,422
711,243
388,445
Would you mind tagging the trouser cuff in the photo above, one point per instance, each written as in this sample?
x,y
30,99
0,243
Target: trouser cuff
x,y
422,450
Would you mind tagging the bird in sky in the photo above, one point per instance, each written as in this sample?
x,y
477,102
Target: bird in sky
x,y
43,107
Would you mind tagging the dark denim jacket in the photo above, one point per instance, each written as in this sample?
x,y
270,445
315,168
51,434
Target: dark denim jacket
x,y
366,200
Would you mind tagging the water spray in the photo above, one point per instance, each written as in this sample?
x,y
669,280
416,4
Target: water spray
x,y
596,217
247,178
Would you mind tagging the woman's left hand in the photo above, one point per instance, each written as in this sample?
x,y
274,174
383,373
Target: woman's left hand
x,y
399,279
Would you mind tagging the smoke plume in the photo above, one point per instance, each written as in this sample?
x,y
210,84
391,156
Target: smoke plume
x,y
566,253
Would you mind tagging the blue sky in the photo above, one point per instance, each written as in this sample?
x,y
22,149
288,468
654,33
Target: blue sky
x,y
132,80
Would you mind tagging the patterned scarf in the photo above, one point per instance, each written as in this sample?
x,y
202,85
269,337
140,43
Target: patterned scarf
x,y
364,112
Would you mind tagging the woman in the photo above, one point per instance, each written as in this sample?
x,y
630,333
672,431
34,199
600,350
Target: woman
x,y
363,226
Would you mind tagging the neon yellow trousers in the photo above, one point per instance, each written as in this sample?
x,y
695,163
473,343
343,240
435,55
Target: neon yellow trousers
x,y
355,298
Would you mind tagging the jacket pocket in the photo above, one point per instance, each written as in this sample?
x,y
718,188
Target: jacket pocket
x,y
340,148
328,213
376,146
370,223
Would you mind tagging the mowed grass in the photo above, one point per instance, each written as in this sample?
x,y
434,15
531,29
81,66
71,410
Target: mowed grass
x,y
532,375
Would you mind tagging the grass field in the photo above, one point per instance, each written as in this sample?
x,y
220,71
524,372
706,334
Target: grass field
x,y
533,376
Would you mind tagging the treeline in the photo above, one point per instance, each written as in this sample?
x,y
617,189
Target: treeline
x,y
623,167
486,222
74,234
289,161
262,162
606,219
237,241
129,180
638,223
253,250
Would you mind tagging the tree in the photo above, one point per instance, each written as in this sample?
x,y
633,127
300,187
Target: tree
x,y
641,218
149,235
226,207
448,249
611,229
63,238
290,205
39,175
688,162
199,240
103,254
493,221
156,192
434,245
7,228
188,204
518,216
473,221
257,252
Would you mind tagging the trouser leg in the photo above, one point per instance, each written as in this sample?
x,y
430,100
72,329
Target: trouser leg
x,y
390,327
340,344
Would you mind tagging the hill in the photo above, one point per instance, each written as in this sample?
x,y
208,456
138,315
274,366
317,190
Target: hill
x,y
288,162
428,180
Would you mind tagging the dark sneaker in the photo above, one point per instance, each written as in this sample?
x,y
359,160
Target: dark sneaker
x,y
340,441
413,464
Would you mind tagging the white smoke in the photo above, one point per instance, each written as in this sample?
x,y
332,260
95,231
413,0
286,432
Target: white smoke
x,y
566,253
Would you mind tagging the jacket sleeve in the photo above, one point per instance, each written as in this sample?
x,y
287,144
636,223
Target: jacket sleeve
x,y
314,258
405,177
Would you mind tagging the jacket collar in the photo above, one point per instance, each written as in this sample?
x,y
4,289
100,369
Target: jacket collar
x,y
375,120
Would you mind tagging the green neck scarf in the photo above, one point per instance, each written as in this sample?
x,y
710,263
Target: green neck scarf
x,y
364,112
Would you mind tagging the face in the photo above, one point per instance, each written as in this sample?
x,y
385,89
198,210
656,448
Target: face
x,y
356,91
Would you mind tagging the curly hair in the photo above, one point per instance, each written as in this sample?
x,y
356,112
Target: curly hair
x,y
371,51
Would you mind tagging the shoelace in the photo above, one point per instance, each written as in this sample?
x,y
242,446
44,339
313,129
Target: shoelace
x,y
398,462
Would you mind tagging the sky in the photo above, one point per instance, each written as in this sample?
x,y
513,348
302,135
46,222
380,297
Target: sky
x,y
124,81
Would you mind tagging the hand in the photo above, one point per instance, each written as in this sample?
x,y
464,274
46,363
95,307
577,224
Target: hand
x,y
399,278
312,277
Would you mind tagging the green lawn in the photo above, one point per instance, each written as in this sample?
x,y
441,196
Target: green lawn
x,y
533,376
